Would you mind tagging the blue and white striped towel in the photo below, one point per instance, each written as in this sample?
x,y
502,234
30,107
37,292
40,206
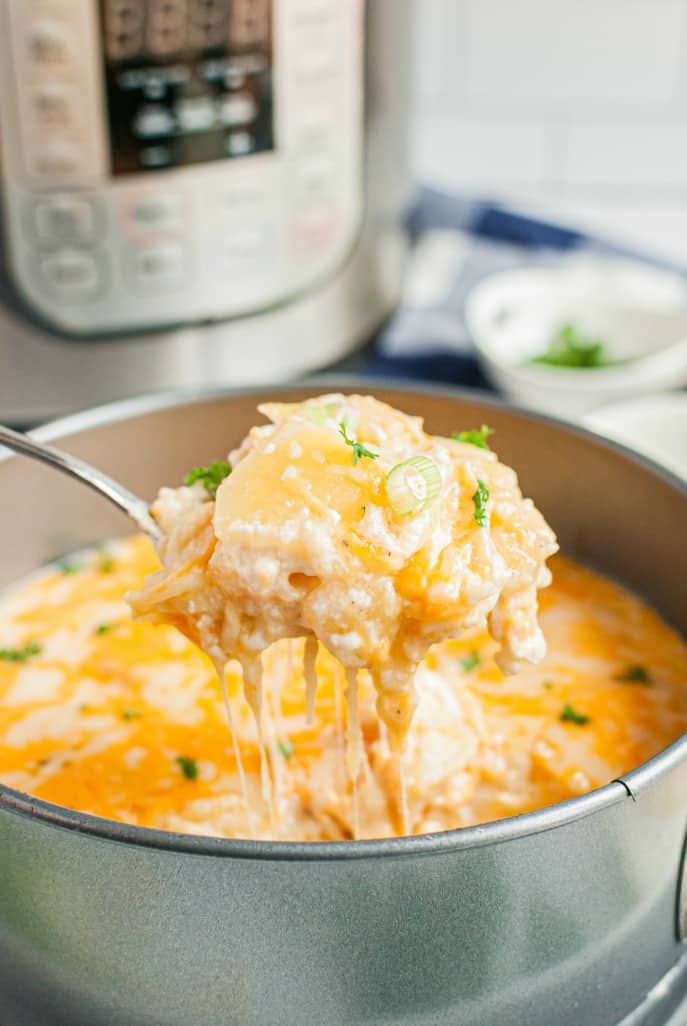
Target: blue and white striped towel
x,y
456,242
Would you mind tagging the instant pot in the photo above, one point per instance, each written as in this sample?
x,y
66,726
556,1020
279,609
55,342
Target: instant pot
x,y
195,192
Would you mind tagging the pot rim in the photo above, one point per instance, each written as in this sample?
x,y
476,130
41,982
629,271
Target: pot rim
x,y
547,818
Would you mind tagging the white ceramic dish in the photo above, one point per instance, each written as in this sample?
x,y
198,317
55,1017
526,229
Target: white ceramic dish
x,y
654,425
640,315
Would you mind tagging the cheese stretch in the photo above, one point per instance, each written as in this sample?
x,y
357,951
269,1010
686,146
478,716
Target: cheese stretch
x,y
343,522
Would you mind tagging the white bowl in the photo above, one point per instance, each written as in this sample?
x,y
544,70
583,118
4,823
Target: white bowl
x,y
640,315
654,425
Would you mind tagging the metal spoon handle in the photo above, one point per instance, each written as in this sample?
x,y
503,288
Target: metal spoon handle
x,y
131,504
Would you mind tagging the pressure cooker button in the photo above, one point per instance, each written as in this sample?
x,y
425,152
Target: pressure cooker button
x,y
155,156
71,274
56,160
244,243
153,121
65,219
49,42
53,103
162,265
315,228
250,23
195,114
237,109
238,144
156,210
315,178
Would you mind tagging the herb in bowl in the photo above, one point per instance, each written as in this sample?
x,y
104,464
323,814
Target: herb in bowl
x,y
570,347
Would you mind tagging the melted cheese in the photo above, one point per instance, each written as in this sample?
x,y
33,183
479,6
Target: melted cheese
x,y
303,541
97,721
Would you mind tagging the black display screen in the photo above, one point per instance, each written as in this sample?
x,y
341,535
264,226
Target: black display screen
x,y
188,81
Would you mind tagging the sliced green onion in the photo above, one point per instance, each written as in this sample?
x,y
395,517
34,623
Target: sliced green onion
x,y
413,485
286,748
480,500
324,411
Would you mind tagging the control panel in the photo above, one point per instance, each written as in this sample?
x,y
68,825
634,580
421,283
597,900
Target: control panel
x,y
167,161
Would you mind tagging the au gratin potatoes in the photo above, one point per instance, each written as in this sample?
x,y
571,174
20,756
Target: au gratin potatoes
x,y
343,635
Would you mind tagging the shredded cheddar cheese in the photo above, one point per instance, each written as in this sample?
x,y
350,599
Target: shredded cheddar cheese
x,y
129,724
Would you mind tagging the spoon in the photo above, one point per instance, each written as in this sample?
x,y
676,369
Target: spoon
x,y
131,504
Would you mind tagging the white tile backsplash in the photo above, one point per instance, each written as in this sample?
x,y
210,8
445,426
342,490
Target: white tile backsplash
x,y
480,153
561,53
633,153
582,103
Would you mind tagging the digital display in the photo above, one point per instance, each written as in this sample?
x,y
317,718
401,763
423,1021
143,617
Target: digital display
x,y
188,81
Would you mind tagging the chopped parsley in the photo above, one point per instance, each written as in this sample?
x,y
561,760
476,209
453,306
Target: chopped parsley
x,y
103,628
571,715
189,767
20,655
634,675
84,707
286,749
480,499
106,564
211,476
132,714
548,684
569,347
478,436
359,450
470,661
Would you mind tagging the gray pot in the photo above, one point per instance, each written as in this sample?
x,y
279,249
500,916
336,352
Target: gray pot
x,y
570,915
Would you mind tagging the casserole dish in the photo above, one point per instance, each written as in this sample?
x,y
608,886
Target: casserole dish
x,y
571,914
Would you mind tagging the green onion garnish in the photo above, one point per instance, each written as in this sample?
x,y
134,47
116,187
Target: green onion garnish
x,y
635,675
320,413
20,655
571,715
286,749
359,450
480,499
413,485
478,436
470,661
211,476
189,767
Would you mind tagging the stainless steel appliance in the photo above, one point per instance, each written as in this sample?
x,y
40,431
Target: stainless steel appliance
x,y
574,915
194,191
